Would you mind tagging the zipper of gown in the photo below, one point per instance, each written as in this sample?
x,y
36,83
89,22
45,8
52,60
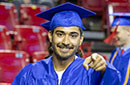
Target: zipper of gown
x,y
56,79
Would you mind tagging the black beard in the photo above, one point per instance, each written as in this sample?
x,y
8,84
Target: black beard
x,y
62,58
60,45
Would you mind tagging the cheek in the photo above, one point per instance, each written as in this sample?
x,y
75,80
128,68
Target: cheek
x,y
119,35
75,42
57,40
122,35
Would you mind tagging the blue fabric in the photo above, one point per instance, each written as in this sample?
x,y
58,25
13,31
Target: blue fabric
x,y
65,15
43,73
64,19
124,19
121,64
124,14
48,14
46,25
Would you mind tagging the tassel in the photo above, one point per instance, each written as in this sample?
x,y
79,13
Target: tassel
x,y
110,38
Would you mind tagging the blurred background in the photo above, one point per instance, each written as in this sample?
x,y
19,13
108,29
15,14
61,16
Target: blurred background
x,y
24,41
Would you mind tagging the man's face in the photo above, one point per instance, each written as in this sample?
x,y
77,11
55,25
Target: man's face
x,y
65,41
121,37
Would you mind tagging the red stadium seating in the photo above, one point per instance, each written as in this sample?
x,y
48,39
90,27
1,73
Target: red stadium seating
x,y
115,6
5,41
117,1
37,56
94,5
86,47
8,15
11,62
121,7
30,38
28,13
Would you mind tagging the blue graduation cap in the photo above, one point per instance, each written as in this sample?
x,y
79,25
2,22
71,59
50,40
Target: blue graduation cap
x,y
122,18
65,15
46,25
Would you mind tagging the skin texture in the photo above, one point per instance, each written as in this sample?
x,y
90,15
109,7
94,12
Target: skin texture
x,y
65,43
122,37
96,62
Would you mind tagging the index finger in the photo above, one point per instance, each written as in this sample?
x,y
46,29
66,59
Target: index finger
x,y
87,61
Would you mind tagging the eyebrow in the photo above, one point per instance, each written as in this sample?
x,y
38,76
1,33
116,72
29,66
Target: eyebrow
x,y
74,33
59,31
64,32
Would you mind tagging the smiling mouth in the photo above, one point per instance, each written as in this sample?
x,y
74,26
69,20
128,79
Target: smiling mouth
x,y
64,50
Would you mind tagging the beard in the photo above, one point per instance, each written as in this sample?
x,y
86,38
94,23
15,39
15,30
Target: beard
x,y
64,56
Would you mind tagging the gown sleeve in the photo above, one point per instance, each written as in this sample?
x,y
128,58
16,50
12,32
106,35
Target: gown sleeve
x,y
111,76
21,78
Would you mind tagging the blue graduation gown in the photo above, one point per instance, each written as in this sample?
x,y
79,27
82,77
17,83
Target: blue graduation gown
x,y
122,64
43,73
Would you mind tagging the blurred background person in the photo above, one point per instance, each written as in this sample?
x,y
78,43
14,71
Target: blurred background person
x,y
120,37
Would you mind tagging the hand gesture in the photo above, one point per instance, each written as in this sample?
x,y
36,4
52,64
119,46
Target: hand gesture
x,y
95,61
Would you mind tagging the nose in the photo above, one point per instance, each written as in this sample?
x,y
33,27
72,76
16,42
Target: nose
x,y
115,38
66,40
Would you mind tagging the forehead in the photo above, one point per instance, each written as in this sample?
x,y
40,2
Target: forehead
x,y
120,28
68,29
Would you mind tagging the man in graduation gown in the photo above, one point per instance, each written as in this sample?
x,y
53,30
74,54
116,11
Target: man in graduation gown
x,y
120,57
64,67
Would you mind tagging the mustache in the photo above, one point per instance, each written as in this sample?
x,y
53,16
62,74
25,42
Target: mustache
x,y
65,46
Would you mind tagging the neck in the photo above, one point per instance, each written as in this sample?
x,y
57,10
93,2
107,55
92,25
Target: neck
x,y
60,65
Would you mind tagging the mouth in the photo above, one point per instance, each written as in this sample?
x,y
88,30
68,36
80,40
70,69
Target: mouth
x,y
64,46
117,40
64,50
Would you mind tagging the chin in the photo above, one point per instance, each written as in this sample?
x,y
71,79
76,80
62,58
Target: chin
x,y
64,56
118,45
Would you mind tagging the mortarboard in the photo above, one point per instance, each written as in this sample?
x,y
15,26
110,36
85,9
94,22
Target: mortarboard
x,y
46,25
124,19
121,19
65,15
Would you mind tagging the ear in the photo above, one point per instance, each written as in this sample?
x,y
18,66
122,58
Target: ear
x,y
50,36
81,39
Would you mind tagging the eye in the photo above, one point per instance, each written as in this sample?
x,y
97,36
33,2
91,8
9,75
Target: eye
x,y
59,34
74,35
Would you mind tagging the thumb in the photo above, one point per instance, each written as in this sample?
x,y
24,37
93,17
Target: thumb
x,y
94,56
